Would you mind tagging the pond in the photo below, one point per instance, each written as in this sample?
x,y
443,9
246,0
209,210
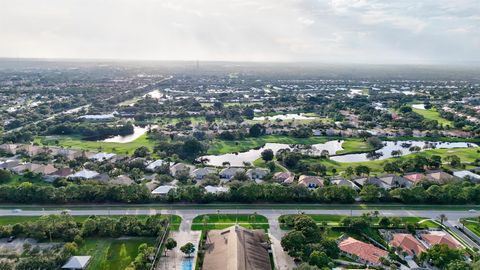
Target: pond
x,y
403,146
289,116
238,159
137,132
419,106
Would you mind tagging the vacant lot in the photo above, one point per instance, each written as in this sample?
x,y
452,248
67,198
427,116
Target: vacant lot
x,y
112,254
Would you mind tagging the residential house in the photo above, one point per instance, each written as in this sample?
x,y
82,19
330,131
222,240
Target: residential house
x,y
371,180
77,263
339,181
45,169
163,190
63,172
407,243
215,190
440,177
156,164
9,164
69,154
31,150
229,173
200,173
467,175
236,248
9,148
363,252
25,167
84,174
395,181
257,173
439,237
181,167
414,177
121,180
102,156
311,181
284,177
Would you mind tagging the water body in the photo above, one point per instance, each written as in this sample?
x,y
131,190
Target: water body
x,y
419,106
389,146
137,132
238,159
289,116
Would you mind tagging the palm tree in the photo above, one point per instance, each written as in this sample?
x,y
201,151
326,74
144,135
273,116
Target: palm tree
x,y
442,218
205,221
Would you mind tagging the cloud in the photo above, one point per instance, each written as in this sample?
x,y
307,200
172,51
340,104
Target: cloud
x,y
367,31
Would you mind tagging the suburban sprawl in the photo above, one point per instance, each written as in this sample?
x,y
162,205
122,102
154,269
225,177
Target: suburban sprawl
x,y
192,165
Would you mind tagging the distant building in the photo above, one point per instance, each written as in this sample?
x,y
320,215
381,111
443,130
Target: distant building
x,y
440,237
339,181
215,190
179,167
467,175
84,174
229,173
236,248
163,190
102,156
284,177
415,178
77,263
407,243
310,181
257,173
200,173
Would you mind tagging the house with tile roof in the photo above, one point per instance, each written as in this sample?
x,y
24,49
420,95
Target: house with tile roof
x,y
340,181
361,251
440,237
311,181
284,177
440,177
407,243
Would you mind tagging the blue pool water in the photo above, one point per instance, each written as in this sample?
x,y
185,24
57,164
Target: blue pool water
x,y
187,264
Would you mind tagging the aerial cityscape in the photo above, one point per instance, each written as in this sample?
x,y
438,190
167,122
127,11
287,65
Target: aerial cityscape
x,y
253,135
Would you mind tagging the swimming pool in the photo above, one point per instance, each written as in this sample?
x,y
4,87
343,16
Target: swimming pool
x,y
187,264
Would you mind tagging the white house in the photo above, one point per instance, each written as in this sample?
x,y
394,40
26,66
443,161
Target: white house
x,y
467,174
155,164
257,173
176,168
101,156
215,190
200,173
84,174
229,173
77,263
163,190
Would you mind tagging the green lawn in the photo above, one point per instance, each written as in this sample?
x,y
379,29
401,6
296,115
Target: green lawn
x,y
472,225
218,147
222,221
112,254
78,143
432,114
231,218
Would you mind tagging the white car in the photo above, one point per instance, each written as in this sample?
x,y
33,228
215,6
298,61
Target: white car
x,y
16,210
472,211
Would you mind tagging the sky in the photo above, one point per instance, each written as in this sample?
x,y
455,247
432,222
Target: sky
x,y
325,31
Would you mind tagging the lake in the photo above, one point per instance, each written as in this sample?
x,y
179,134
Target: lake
x,y
389,146
238,159
289,116
137,132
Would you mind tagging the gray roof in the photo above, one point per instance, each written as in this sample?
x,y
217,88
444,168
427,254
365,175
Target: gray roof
x,y
77,262
86,174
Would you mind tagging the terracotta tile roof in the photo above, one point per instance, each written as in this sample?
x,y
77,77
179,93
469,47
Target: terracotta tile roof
x,y
364,251
408,243
415,177
439,237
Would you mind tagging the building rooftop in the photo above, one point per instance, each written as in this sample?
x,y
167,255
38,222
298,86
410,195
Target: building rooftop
x,y
364,251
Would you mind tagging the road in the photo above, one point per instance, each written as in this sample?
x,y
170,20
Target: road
x,y
282,260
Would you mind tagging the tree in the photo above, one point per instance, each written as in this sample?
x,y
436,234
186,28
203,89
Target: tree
x,y
170,244
188,249
306,266
459,265
248,113
454,161
319,258
256,130
441,255
5,176
293,242
267,155
362,170
442,218
384,222
375,142
370,193
141,152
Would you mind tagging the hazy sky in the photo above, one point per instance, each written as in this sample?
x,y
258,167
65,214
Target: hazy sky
x,y
357,31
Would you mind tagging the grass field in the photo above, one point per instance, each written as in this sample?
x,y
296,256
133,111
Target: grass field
x,y
218,147
112,254
432,114
466,155
472,225
222,221
78,143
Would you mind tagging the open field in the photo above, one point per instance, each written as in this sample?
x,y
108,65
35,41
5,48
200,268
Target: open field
x,y
222,221
432,114
472,225
466,155
78,143
112,254
218,147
